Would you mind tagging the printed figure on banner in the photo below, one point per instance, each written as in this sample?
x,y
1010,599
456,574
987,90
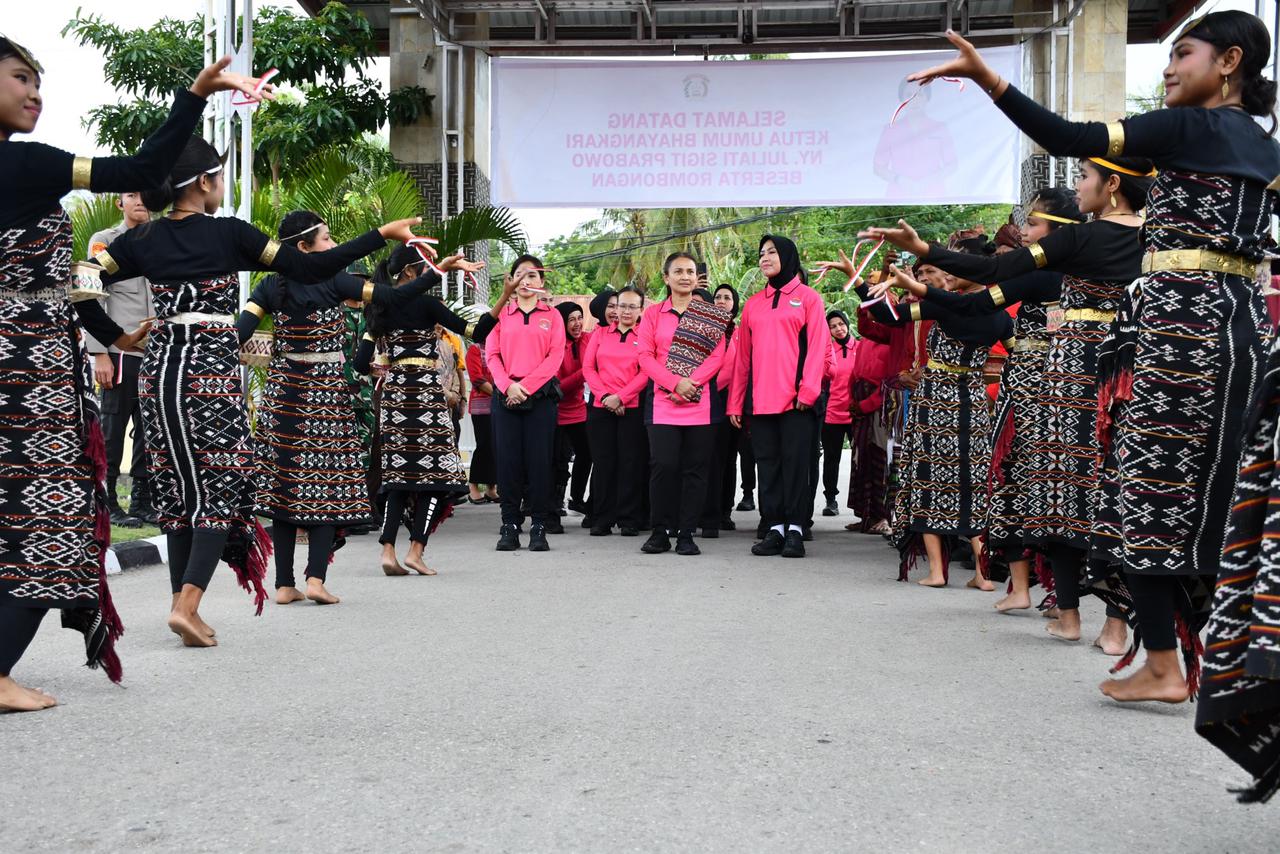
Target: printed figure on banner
x,y
916,153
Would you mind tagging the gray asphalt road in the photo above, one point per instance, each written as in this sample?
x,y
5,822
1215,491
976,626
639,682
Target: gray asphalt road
x,y
596,699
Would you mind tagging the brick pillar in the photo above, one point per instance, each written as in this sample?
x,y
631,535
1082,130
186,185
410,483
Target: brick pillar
x,y
418,59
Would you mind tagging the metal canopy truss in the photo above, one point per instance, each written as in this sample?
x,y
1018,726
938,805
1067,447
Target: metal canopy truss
x,y
700,27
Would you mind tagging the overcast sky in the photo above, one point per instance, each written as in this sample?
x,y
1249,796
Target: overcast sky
x,y
73,82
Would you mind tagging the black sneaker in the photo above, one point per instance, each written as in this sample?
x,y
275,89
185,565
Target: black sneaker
x,y
121,519
747,503
727,524
808,533
509,540
657,543
602,531
628,531
519,529
762,529
587,521
685,544
832,509
555,526
710,533
793,546
538,539
771,545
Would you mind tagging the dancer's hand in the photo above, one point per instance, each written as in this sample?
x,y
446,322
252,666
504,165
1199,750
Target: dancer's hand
x,y
898,279
129,340
459,262
968,64
844,265
904,237
402,230
215,78
104,373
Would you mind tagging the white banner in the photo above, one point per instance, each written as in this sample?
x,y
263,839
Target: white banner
x,y
708,134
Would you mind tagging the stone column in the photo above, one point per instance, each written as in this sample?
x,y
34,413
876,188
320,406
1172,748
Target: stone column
x,y
1095,88
418,59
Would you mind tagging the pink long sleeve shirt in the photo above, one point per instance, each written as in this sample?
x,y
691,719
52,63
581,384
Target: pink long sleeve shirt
x,y
656,330
572,408
782,350
844,360
612,365
525,347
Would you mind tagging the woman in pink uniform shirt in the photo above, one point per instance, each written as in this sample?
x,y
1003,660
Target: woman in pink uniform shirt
x,y
782,346
677,415
524,352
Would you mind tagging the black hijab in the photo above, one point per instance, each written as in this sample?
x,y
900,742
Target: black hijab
x,y
733,312
566,309
599,304
788,257
843,342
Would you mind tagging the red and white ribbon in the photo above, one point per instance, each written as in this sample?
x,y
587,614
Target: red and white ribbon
x,y
256,97
916,93
418,242
858,270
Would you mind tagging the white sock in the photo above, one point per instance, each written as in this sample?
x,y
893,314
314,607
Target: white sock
x,y
795,528
781,531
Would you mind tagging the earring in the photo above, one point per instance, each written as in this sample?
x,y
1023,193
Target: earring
x,y
1226,87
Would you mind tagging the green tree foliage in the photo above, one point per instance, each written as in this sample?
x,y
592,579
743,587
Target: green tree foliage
x,y
628,246
88,217
325,59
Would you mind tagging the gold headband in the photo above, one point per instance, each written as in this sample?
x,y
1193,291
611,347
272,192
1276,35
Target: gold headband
x,y
1051,218
24,54
1114,168
1191,25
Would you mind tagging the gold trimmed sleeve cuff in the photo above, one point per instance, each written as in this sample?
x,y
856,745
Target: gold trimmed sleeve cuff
x,y
1037,252
369,338
997,295
269,252
255,309
366,295
915,311
469,331
1115,139
81,173
108,263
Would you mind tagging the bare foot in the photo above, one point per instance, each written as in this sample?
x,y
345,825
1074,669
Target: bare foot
x,y
853,526
1051,614
390,564
16,698
980,583
1146,685
1015,601
1114,637
288,595
191,629
932,581
419,566
1062,632
318,594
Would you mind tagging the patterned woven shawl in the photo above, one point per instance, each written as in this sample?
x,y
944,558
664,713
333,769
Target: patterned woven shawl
x,y
700,329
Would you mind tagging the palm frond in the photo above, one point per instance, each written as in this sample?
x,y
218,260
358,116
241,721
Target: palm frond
x,y
89,217
477,224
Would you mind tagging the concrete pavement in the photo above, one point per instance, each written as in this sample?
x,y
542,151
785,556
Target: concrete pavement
x,y
597,699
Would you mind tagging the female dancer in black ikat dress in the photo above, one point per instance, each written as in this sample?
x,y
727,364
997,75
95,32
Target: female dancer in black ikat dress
x,y
53,516
189,384
1178,371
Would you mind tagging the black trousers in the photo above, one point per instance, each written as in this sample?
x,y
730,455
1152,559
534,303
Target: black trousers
x,y
119,408
483,469
1153,602
728,487
284,536
1067,564
525,440
18,626
679,459
714,509
617,466
572,445
746,458
193,556
427,512
783,447
833,436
